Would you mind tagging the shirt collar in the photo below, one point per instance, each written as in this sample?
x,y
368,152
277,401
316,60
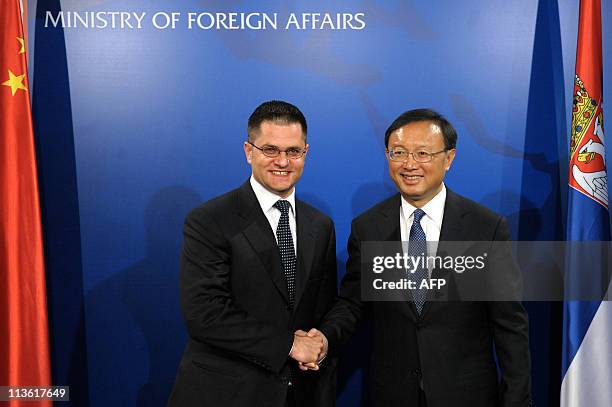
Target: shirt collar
x,y
267,199
433,209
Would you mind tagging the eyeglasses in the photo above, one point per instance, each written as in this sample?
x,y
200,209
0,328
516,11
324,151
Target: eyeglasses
x,y
292,153
420,156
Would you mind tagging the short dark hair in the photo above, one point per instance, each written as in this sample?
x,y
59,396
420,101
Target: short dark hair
x,y
425,115
278,112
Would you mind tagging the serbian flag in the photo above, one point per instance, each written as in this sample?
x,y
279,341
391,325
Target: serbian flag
x,y
24,339
587,336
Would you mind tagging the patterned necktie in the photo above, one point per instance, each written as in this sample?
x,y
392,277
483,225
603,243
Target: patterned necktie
x,y
286,248
417,250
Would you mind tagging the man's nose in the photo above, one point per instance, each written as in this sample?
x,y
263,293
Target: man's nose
x,y
410,162
282,160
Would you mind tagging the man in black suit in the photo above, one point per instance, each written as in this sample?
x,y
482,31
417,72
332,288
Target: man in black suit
x,y
258,265
431,353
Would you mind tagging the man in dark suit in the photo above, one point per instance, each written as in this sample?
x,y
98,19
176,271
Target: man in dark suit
x,y
431,353
258,265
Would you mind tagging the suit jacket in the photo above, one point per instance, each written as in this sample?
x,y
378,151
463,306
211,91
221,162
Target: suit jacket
x,y
235,304
448,349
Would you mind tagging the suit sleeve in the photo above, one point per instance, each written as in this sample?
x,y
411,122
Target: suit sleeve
x,y
329,287
341,321
510,327
211,314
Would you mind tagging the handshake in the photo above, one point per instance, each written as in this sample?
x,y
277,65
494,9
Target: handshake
x,y
309,348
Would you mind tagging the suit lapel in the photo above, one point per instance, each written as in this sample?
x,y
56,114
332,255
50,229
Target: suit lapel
x,y
306,240
389,230
451,231
388,225
451,222
258,232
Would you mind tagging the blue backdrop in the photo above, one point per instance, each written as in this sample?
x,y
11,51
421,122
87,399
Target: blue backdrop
x,y
135,126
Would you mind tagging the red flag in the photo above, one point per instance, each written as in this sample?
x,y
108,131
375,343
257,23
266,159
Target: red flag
x,y
24,341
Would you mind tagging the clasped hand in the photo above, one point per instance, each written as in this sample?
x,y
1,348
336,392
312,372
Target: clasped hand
x,y
309,348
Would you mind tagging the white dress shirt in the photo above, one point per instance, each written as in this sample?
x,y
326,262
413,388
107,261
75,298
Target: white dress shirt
x,y
267,200
431,222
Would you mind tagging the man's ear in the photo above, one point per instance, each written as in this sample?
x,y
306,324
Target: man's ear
x,y
449,159
248,152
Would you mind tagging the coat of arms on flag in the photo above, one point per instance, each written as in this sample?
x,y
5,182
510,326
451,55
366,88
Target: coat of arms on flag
x,y
587,151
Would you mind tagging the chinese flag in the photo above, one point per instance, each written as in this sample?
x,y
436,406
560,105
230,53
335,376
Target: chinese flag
x,y
24,340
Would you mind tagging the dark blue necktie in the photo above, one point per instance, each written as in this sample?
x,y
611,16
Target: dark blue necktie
x,y
417,250
286,248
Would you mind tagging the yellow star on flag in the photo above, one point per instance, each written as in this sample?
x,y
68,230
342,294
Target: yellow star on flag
x,y
22,42
15,82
